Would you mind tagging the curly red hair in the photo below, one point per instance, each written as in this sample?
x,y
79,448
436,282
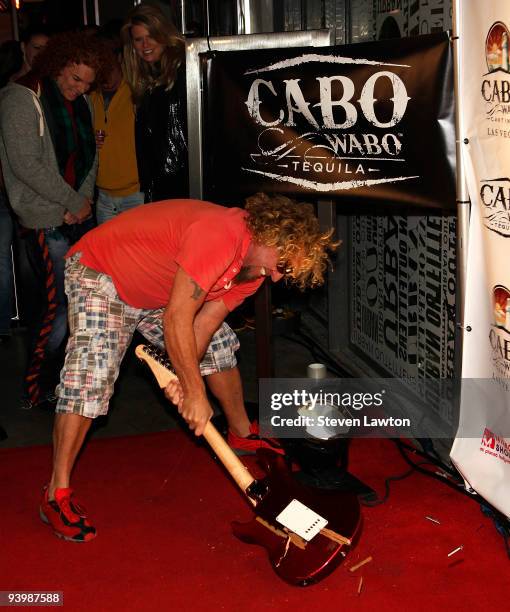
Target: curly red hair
x,y
293,228
75,48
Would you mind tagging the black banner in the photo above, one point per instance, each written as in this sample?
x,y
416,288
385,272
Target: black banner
x,y
366,121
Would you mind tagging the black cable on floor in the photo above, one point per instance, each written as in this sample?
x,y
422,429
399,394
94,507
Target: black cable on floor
x,y
431,455
457,486
387,481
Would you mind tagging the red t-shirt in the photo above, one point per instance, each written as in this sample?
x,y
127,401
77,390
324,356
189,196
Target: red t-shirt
x,y
142,248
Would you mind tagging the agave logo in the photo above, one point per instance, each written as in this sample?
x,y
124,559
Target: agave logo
x,y
500,330
496,47
501,306
496,85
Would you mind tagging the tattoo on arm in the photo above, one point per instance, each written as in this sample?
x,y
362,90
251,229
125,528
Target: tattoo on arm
x,y
197,291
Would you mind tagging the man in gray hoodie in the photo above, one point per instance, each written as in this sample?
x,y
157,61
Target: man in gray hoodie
x,y
49,162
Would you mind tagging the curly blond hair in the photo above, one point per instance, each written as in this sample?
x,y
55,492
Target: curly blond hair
x,y
293,228
139,74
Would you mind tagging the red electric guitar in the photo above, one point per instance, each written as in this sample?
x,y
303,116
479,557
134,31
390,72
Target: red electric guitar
x,y
297,559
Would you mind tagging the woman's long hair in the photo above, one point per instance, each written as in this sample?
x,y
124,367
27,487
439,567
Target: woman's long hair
x,y
139,74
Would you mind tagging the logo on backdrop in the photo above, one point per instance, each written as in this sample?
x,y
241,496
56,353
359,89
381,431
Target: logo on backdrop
x,y
488,439
501,305
495,197
365,120
496,48
494,445
496,82
500,331
328,145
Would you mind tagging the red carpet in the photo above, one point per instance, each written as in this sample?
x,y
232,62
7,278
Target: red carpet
x,y
163,507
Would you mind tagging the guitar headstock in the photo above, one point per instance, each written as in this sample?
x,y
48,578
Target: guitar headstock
x,y
158,363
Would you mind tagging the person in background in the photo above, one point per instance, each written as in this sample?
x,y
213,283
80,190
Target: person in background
x,y
11,59
154,69
48,156
33,41
114,122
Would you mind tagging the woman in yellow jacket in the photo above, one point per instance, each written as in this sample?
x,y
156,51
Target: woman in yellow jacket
x,y
114,121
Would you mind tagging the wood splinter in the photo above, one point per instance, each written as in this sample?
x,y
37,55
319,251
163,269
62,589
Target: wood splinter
x,y
336,537
288,535
360,564
298,541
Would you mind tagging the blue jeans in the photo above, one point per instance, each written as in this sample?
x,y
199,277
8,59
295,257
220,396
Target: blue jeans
x,y
57,247
6,274
46,249
109,206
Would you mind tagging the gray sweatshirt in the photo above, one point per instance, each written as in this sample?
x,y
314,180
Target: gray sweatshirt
x,y
37,192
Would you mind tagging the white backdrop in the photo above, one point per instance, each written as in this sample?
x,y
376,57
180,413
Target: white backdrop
x,y
481,451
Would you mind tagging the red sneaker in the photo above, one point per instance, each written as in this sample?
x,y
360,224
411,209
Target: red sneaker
x,y
250,444
67,519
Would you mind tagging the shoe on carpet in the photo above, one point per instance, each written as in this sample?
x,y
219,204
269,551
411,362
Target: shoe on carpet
x,y
251,444
65,516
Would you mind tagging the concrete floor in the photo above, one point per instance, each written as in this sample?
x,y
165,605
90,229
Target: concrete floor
x,y
138,405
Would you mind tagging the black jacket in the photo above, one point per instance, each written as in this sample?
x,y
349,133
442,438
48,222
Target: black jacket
x,y
161,142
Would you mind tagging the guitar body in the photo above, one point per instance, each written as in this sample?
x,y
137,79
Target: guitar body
x,y
297,565
294,560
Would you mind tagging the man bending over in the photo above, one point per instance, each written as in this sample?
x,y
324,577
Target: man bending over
x,y
173,270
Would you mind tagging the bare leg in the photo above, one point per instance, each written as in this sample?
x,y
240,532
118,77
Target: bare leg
x,y
227,387
69,432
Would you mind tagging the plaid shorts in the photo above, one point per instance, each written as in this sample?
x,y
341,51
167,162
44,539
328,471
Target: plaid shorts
x,y
101,328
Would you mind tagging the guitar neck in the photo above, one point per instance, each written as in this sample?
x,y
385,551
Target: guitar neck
x,y
229,459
